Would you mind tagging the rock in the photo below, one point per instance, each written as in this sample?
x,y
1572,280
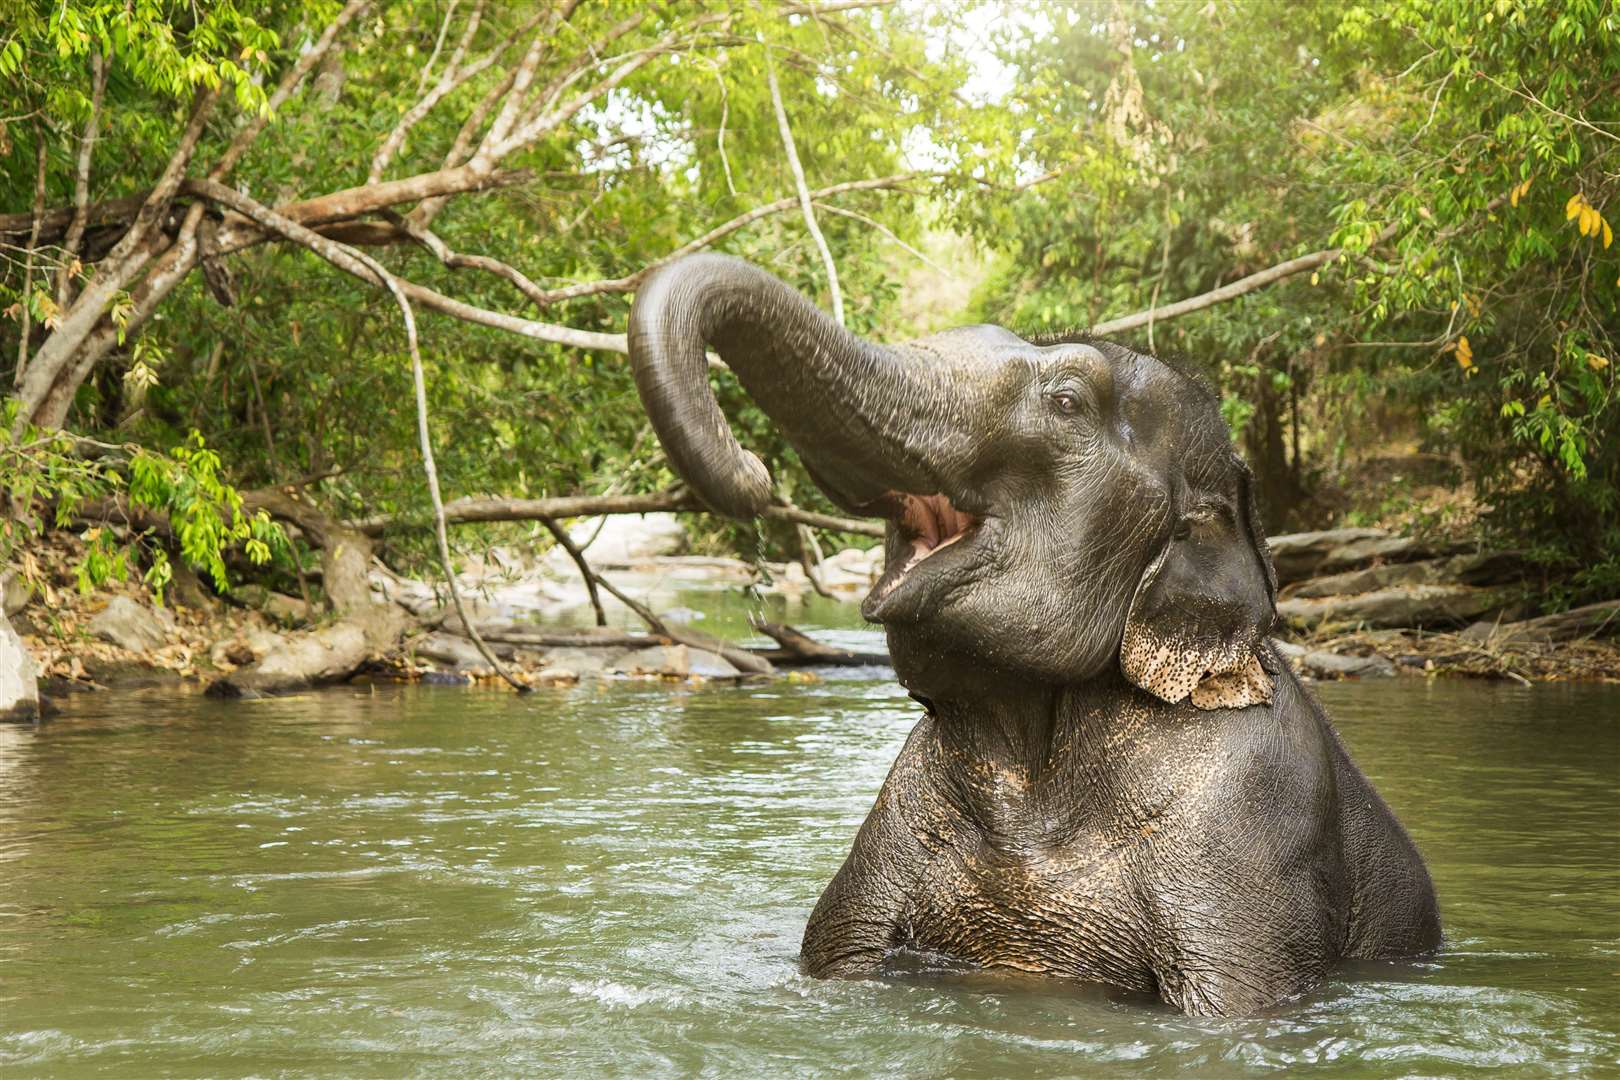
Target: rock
x,y
1321,664
556,676
674,660
14,593
131,626
619,539
585,661
711,665
129,674
452,649
682,615
1326,665
445,678
252,644
1413,605
19,690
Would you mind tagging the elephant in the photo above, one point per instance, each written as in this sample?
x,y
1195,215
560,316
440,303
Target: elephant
x,y
1116,778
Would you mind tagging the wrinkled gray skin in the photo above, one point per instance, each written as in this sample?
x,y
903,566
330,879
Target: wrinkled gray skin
x,y
1117,779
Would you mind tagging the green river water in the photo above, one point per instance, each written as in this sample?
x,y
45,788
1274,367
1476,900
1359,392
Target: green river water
x,y
612,880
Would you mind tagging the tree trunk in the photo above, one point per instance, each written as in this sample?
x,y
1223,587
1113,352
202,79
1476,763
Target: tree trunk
x,y
364,628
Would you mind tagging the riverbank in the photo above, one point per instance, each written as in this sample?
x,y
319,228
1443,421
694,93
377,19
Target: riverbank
x,y
1353,604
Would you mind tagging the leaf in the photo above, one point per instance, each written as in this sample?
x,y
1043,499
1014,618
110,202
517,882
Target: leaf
x,y
1465,353
1596,362
1573,207
1608,234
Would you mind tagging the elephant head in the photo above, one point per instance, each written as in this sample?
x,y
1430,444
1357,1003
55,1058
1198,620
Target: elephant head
x,y
1056,511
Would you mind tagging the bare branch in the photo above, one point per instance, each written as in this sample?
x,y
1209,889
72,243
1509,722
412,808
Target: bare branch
x,y
560,534
629,282
882,228
438,46
81,180
1230,291
720,138
792,153
28,259
475,510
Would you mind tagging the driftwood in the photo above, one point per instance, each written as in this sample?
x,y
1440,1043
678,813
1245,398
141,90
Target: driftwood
x,y
801,650
1412,605
1593,620
1298,556
1494,568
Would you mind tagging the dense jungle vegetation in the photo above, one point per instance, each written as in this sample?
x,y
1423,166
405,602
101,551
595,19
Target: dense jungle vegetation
x,y
1393,222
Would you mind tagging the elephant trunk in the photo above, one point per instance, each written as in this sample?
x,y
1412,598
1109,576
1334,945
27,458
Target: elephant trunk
x,y
841,401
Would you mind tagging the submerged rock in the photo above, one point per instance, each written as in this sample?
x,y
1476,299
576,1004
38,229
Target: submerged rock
x,y
131,626
19,690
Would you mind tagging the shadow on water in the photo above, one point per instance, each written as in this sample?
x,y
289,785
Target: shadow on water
x,y
613,879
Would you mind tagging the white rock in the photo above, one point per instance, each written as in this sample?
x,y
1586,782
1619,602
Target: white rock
x,y
19,693
624,538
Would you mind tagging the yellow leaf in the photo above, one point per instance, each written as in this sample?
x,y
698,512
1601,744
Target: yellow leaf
x,y
1608,234
1546,400
1315,278
1465,354
1524,188
1596,362
1573,207
1513,196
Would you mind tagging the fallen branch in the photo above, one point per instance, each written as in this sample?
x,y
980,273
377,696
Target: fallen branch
x,y
799,649
469,510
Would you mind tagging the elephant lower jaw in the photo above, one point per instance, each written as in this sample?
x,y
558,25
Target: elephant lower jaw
x,y
934,540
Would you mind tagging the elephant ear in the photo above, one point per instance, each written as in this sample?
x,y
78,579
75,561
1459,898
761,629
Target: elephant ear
x,y
1202,609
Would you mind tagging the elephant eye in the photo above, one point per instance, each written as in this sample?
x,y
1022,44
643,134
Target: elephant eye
x,y
1066,402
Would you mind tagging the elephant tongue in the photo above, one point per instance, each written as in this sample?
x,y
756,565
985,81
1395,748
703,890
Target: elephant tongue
x,y
930,521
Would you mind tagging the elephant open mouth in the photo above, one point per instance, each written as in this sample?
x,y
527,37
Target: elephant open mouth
x,y
927,527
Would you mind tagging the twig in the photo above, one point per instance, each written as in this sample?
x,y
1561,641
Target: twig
x,y
885,230
810,558
720,139
560,534
653,621
792,153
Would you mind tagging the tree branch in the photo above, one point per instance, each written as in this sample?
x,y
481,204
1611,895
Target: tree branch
x,y
560,534
28,259
1219,296
125,260
471,510
81,181
786,132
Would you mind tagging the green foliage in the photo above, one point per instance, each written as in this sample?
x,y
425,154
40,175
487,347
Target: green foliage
x,y
1460,152
49,478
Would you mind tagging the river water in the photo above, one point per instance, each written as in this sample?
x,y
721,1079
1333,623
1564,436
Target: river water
x,y
612,880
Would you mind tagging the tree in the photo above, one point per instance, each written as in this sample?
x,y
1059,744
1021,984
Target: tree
x,y
1424,179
